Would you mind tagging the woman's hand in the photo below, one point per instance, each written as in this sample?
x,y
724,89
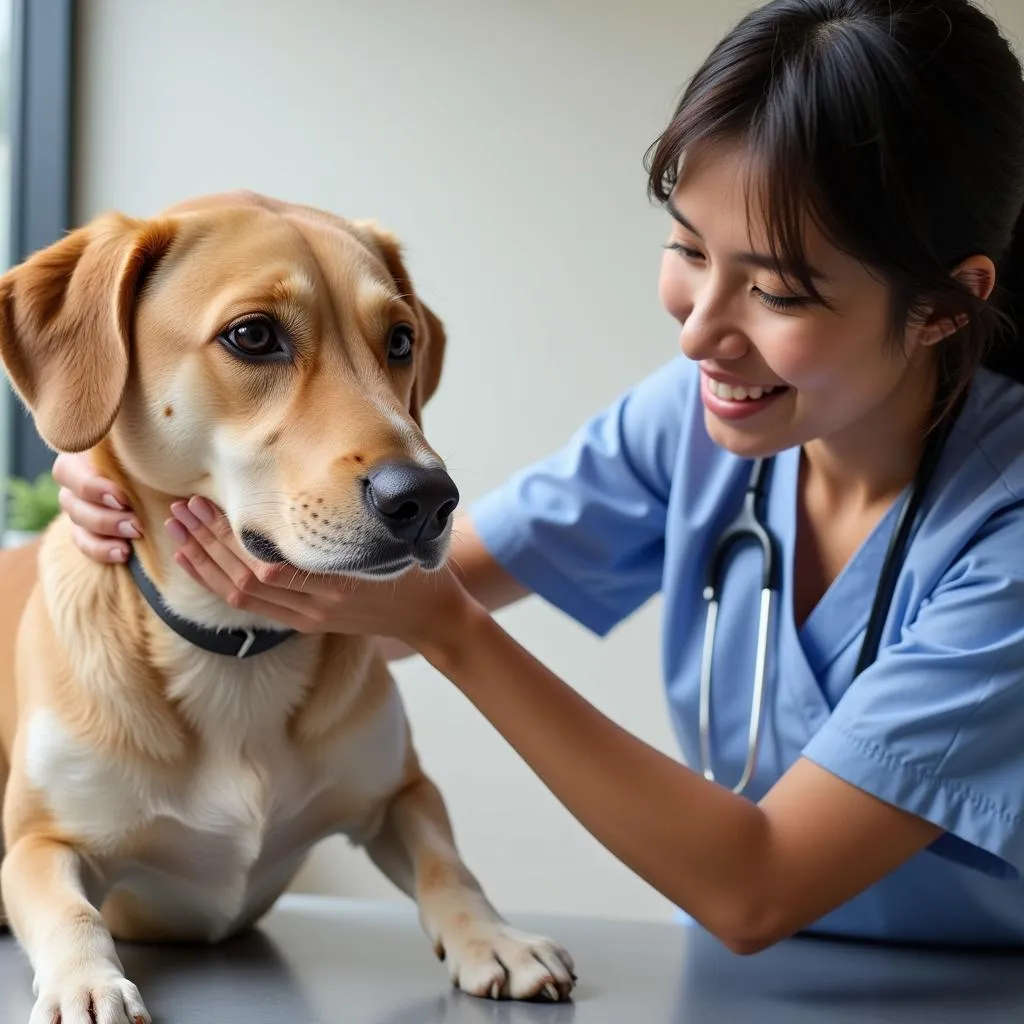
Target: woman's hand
x,y
415,609
101,522
420,605
419,609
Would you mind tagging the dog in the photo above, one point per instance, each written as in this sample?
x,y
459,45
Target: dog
x,y
167,760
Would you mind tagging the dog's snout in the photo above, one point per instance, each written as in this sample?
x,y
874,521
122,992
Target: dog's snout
x,y
414,502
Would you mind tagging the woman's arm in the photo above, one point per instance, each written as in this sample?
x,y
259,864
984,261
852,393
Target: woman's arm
x,y
750,873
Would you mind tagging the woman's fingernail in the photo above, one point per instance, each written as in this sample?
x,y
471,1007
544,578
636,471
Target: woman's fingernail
x,y
111,502
118,554
203,509
176,531
128,529
184,515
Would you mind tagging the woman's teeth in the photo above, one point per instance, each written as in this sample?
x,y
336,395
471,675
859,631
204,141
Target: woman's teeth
x,y
737,394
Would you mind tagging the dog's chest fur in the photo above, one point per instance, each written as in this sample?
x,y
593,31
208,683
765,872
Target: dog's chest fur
x,y
203,844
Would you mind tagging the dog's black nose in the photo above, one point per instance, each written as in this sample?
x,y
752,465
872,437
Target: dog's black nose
x,y
413,502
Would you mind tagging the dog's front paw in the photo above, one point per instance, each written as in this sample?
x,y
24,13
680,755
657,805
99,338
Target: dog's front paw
x,y
100,996
500,962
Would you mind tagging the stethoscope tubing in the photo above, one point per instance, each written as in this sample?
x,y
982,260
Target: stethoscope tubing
x,y
750,524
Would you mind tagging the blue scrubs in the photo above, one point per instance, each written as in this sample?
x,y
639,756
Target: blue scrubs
x,y
633,505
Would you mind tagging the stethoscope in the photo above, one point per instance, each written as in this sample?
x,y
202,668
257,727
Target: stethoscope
x,y
749,525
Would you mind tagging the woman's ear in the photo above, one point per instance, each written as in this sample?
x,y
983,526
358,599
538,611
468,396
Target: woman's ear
x,y
978,275
66,316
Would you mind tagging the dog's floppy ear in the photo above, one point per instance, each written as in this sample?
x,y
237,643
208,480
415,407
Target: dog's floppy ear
x,y
431,338
428,374
66,317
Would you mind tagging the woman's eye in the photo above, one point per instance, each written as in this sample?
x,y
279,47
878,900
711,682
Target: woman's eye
x,y
400,343
256,338
685,250
782,303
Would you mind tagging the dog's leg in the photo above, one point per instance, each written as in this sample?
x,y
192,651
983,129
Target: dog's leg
x,y
78,975
485,955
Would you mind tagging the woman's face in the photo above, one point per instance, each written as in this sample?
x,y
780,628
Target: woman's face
x,y
778,369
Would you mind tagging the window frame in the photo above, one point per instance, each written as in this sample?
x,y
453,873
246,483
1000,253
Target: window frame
x,y
42,147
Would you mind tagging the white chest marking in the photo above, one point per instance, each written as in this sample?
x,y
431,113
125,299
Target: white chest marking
x,y
232,793
204,844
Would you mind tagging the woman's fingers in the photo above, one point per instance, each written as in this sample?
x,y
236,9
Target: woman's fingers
x,y
98,520
102,525
214,526
213,578
220,566
211,528
99,549
212,556
75,471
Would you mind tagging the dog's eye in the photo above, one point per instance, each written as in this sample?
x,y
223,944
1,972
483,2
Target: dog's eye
x,y
256,338
400,345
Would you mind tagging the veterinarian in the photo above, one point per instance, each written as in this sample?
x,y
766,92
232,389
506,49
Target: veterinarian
x,y
843,183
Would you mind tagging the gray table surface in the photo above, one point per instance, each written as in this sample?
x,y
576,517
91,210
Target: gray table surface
x,y
316,960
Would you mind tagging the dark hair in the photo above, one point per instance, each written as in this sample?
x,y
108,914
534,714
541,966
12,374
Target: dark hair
x,y
898,126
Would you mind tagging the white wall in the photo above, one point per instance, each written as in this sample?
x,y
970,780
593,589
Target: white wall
x,y
503,141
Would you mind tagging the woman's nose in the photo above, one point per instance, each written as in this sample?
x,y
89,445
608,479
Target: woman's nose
x,y
709,327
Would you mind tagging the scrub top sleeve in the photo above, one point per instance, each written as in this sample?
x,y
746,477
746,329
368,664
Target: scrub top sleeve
x,y
934,726
585,527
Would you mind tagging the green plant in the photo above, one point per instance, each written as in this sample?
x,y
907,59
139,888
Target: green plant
x,y
31,504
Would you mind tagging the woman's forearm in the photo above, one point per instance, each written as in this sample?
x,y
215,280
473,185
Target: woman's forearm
x,y
696,842
750,873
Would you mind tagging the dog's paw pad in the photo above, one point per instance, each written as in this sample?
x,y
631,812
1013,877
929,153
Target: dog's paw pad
x,y
498,962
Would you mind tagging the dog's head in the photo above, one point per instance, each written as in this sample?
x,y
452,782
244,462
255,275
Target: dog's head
x,y
272,357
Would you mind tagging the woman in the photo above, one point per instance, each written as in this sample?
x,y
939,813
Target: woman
x,y
843,180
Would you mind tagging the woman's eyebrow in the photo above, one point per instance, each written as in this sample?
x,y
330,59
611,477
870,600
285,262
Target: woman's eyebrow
x,y
761,260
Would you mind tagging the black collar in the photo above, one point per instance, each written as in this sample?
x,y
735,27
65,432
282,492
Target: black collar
x,y
235,643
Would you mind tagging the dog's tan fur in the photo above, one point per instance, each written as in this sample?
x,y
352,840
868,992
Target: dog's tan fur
x,y
152,790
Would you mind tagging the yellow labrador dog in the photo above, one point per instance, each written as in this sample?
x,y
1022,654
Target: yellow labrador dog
x,y
167,760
